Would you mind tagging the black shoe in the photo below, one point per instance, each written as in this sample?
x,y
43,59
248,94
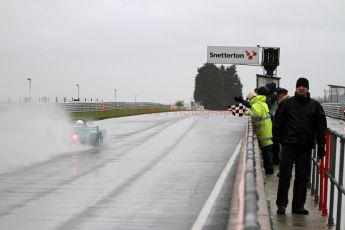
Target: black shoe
x,y
281,210
302,211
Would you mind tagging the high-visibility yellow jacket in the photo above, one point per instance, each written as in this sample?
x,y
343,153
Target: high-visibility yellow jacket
x,y
261,120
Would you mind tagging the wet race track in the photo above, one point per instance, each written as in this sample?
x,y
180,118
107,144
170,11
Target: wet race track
x,y
153,172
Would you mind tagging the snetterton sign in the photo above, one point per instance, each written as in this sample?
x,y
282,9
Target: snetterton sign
x,y
233,55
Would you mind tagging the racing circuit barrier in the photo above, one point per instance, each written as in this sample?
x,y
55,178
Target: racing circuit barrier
x,y
103,106
251,195
324,172
92,106
334,110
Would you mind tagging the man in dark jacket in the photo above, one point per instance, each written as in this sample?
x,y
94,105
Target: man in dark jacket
x,y
272,98
281,96
298,122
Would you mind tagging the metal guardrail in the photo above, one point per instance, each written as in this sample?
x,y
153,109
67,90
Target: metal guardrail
x,y
324,172
334,110
251,195
92,106
104,106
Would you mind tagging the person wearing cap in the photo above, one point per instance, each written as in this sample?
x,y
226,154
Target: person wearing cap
x,y
271,98
262,126
298,122
281,96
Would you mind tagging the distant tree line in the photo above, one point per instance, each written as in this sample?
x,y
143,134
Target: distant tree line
x,y
215,88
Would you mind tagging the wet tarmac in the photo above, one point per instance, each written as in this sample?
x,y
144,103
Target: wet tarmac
x,y
153,172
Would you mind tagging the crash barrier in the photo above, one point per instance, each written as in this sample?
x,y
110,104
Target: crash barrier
x,y
104,106
91,106
329,169
251,196
334,110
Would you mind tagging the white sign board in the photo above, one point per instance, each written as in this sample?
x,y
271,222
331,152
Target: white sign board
x,y
233,55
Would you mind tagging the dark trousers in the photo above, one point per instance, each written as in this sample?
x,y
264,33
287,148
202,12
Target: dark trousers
x,y
301,157
276,152
267,158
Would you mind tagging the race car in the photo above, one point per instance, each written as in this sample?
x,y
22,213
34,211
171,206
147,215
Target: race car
x,y
87,135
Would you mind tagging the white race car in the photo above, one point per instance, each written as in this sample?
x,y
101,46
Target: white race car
x,y
85,134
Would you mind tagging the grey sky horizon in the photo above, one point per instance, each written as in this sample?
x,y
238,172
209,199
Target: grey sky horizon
x,y
150,50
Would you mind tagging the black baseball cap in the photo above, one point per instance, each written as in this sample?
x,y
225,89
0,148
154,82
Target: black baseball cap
x,y
281,90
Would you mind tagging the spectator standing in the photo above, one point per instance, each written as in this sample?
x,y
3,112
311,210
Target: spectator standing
x,y
271,98
297,123
281,96
263,126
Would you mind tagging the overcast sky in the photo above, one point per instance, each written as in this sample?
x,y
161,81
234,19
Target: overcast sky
x,y
150,50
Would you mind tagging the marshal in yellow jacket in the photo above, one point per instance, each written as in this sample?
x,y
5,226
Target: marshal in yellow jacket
x,y
261,120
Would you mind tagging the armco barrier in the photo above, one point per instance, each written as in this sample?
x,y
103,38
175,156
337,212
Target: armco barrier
x,y
251,196
103,106
91,106
334,110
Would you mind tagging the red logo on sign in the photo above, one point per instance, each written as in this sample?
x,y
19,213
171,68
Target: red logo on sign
x,y
250,55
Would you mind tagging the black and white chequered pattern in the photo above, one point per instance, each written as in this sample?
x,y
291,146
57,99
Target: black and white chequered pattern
x,y
237,110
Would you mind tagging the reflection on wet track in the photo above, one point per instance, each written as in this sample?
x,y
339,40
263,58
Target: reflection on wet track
x,y
153,172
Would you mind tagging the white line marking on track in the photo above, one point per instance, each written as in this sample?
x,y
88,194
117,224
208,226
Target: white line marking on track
x,y
206,209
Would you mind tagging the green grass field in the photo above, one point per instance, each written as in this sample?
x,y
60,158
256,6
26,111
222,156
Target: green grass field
x,y
100,115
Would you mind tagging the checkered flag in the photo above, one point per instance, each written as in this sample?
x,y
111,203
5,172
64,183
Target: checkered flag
x,y
237,110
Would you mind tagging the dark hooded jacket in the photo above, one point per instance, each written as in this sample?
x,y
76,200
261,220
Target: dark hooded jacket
x,y
299,121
